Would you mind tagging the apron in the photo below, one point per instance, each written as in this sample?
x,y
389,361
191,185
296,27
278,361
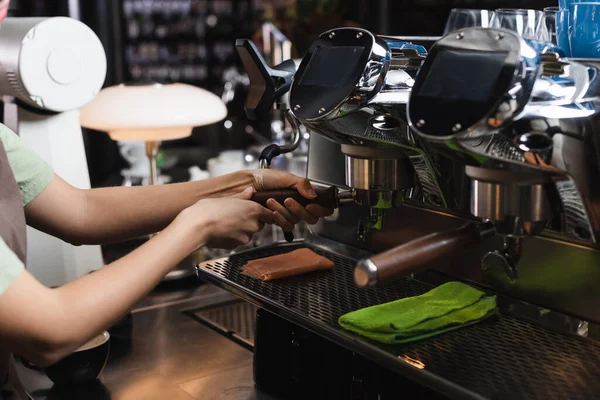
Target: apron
x,y
12,231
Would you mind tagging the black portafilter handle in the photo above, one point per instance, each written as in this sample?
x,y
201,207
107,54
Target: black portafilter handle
x,y
267,84
328,197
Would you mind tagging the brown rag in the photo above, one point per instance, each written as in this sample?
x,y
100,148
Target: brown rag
x,y
284,265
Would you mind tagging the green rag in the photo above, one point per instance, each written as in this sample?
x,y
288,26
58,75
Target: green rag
x,y
445,308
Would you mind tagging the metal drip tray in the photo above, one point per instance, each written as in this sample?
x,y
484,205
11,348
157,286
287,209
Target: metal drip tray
x,y
498,358
236,320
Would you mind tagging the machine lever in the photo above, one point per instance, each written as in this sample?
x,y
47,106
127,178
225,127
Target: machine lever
x,y
417,254
266,84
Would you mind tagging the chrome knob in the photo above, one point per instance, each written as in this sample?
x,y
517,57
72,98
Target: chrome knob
x,y
365,273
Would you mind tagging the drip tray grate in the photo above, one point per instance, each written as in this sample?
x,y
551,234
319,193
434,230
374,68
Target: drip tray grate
x,y
236,320
498,358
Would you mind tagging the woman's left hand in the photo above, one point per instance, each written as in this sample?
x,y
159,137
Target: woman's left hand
x,y
289,213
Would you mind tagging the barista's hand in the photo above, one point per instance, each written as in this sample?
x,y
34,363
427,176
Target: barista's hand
x,y
226,222
291,212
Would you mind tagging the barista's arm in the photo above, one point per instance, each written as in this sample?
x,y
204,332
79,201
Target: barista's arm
x,y
43,324
114,214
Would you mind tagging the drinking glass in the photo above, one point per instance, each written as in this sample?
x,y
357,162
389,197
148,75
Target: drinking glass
x,y
584,32
547,28
523,21
468,18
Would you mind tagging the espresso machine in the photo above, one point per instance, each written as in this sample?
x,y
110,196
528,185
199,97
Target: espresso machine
x,y
470,157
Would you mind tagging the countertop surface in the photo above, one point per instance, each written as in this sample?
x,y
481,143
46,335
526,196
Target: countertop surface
x,y
169,356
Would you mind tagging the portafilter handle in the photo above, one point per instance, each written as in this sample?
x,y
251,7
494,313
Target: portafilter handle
x,y
330,197
326,197
416,255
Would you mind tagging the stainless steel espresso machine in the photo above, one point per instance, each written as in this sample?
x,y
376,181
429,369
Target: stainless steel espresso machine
x,y
473,159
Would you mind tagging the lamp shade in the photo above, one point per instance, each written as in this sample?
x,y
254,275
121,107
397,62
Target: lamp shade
x,y
152,112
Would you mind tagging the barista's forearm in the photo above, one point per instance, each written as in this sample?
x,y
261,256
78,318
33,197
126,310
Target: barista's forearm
x,y
113,290
121,213
61,320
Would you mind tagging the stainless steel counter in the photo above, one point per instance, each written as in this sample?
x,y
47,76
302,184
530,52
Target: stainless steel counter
x,y
170,356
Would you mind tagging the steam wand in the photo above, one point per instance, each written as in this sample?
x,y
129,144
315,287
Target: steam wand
x,y
273,150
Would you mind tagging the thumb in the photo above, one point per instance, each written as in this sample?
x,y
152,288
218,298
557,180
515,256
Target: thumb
x,y
245,195
306,189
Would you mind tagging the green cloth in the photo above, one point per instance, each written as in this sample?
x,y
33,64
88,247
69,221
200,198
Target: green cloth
x,y
445,308
33,175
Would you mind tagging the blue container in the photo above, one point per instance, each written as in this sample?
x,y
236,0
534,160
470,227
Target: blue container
x,y
584,30
566,4
562,31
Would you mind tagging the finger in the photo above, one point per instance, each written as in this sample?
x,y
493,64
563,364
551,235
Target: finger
x,y
319,211
300,211
282,222
254,226
305,188
264,214
275,206
243,238
245,195
229,244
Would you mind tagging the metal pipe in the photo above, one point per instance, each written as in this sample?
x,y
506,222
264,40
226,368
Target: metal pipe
x,y
276,46
296,134
74,9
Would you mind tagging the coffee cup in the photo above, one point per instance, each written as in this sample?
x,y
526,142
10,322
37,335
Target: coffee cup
x,y
84,364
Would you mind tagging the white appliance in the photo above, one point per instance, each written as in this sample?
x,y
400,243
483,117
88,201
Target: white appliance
x,y
49,68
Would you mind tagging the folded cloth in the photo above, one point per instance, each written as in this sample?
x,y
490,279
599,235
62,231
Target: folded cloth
x,y
284,265
445,308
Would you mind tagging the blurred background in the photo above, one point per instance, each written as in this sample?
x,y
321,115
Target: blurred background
x,y
192,41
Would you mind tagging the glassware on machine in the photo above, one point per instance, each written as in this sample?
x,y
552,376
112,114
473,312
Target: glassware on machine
x,y
468,18
525,22
547,28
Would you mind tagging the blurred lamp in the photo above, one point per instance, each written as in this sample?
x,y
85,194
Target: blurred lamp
x,y
152,113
